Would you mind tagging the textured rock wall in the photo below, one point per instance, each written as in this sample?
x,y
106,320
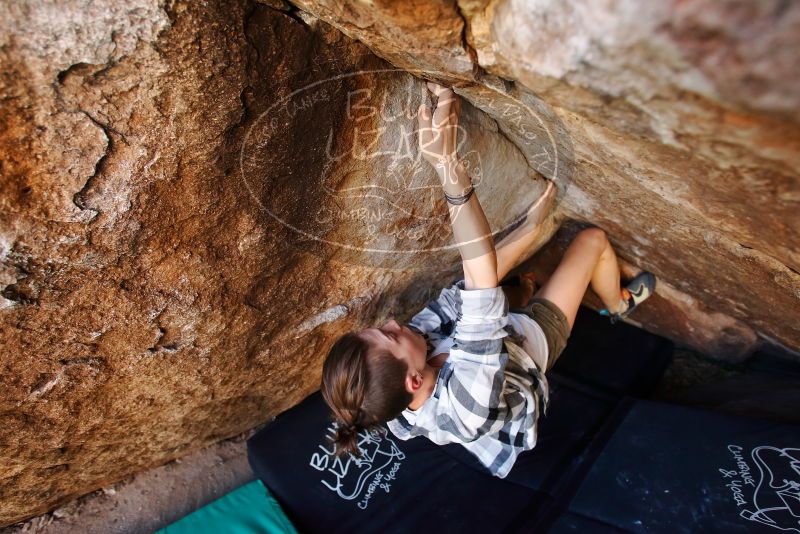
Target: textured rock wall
x,y
119,126
142,286
684,129
198,197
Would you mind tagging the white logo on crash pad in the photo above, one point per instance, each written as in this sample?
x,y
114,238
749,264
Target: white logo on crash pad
x,y
768,491
354,478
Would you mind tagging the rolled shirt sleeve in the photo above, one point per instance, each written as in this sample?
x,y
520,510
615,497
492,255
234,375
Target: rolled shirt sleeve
x,y
478,402
483,315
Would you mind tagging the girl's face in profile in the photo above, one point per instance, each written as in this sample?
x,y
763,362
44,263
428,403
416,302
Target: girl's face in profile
x,y
404,343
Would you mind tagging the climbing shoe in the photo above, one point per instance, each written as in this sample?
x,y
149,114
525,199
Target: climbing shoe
x,y
638,289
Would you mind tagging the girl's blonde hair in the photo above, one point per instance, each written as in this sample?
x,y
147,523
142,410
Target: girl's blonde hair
x,y
363,387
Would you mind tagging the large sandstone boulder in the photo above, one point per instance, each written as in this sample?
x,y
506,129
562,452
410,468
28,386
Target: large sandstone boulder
x,y
684,130
198,198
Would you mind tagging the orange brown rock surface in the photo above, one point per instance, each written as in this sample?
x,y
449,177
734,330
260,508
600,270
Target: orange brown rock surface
x,y
197,198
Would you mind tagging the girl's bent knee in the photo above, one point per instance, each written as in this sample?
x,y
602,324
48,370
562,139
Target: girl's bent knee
x,y
592,237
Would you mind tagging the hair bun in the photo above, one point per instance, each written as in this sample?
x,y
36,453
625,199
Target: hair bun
x,y
351,428
346,439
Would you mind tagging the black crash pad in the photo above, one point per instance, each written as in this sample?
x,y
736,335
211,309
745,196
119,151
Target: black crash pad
x,y
617,359
416,477
571,523
674,469
400,486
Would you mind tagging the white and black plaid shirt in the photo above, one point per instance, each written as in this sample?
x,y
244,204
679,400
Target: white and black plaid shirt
x,y
489,392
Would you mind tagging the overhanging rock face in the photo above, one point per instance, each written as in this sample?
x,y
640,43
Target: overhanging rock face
x,y
684,127
198,198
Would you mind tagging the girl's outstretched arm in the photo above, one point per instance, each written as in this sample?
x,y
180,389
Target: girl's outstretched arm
x,y
437,138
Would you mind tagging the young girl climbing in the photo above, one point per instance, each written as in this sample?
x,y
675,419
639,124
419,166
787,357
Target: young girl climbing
x,y
469,367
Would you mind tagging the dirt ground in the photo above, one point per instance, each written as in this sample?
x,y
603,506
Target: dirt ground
x,y
152,499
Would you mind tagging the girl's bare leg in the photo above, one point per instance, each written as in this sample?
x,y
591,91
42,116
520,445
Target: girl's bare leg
x,y
588,259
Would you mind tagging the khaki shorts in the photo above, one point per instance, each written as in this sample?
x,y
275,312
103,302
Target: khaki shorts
x,y
553,322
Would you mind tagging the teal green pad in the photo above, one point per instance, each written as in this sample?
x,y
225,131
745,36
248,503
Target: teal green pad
x,y
249,509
